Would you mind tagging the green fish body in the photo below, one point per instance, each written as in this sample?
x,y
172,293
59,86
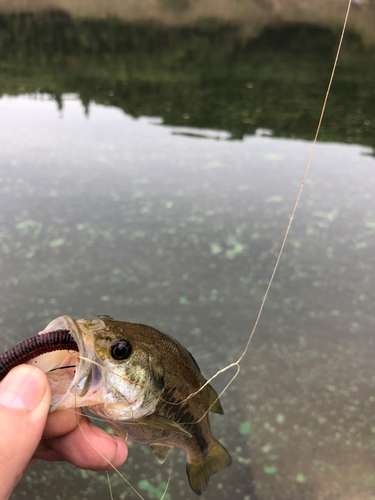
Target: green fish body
x,y
139,380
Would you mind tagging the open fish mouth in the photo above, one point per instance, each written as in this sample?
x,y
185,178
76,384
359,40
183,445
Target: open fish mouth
x,y
60,351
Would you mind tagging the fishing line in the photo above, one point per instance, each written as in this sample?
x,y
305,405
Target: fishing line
x,y
152,391
103,457
167,485
109,485
110,463
117,471
236,363
301,187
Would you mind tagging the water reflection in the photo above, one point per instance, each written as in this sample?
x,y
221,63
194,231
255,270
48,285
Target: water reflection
x,y
107,214
205,76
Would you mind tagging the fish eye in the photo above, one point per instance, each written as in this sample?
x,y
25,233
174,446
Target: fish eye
x,y
120,349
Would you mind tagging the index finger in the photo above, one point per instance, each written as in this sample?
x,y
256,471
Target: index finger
x,y
61,422
89,447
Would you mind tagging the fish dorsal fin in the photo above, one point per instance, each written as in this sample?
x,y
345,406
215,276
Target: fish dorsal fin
x,y
163,423
161,451
214,401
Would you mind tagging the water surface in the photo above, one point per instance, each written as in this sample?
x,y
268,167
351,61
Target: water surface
x,y
178,226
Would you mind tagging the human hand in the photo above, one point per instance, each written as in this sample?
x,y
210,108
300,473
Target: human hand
x,y
28,433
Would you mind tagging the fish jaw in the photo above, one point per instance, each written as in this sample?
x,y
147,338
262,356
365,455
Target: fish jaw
x,y
75,380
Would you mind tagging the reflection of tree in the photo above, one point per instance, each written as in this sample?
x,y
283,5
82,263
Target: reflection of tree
x,y
205,76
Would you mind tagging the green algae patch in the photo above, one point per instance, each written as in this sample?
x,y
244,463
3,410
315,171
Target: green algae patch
x,y
301,478
237,249
270,469
57,242
244,428
183,301
266,448
216,248
25,224
275,199
280,419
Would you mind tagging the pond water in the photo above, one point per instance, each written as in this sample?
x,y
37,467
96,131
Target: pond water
x,y
169,220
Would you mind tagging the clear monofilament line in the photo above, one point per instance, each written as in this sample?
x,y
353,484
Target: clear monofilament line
x,y
236,363
301,187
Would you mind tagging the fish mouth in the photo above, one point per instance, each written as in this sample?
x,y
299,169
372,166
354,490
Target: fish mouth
x,y
75,380
65,351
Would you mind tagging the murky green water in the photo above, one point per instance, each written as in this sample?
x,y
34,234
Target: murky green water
x,y
149,174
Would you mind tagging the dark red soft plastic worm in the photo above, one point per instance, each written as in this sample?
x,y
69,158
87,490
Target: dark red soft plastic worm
x,y
58,340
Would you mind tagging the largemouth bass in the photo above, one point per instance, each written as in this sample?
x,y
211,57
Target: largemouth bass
x,y
138,380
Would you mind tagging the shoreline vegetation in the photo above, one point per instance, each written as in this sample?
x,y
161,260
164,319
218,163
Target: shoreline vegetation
x,y
250,16
205,76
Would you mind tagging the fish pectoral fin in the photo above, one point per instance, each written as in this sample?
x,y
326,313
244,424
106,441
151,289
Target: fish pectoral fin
x,y
200,471
163,423
119,432
214,401
161,451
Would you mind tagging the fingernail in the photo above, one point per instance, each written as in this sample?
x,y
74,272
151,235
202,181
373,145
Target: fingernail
x,y
22,388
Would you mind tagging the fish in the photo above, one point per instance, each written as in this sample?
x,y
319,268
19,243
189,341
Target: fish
x,y
138,380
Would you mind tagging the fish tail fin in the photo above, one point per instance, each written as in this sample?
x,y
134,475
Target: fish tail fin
x,y
200,471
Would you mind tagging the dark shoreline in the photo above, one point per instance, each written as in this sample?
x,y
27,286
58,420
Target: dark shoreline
x,y
204,76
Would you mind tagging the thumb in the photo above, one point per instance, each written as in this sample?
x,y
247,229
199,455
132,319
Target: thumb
x,y
25,396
